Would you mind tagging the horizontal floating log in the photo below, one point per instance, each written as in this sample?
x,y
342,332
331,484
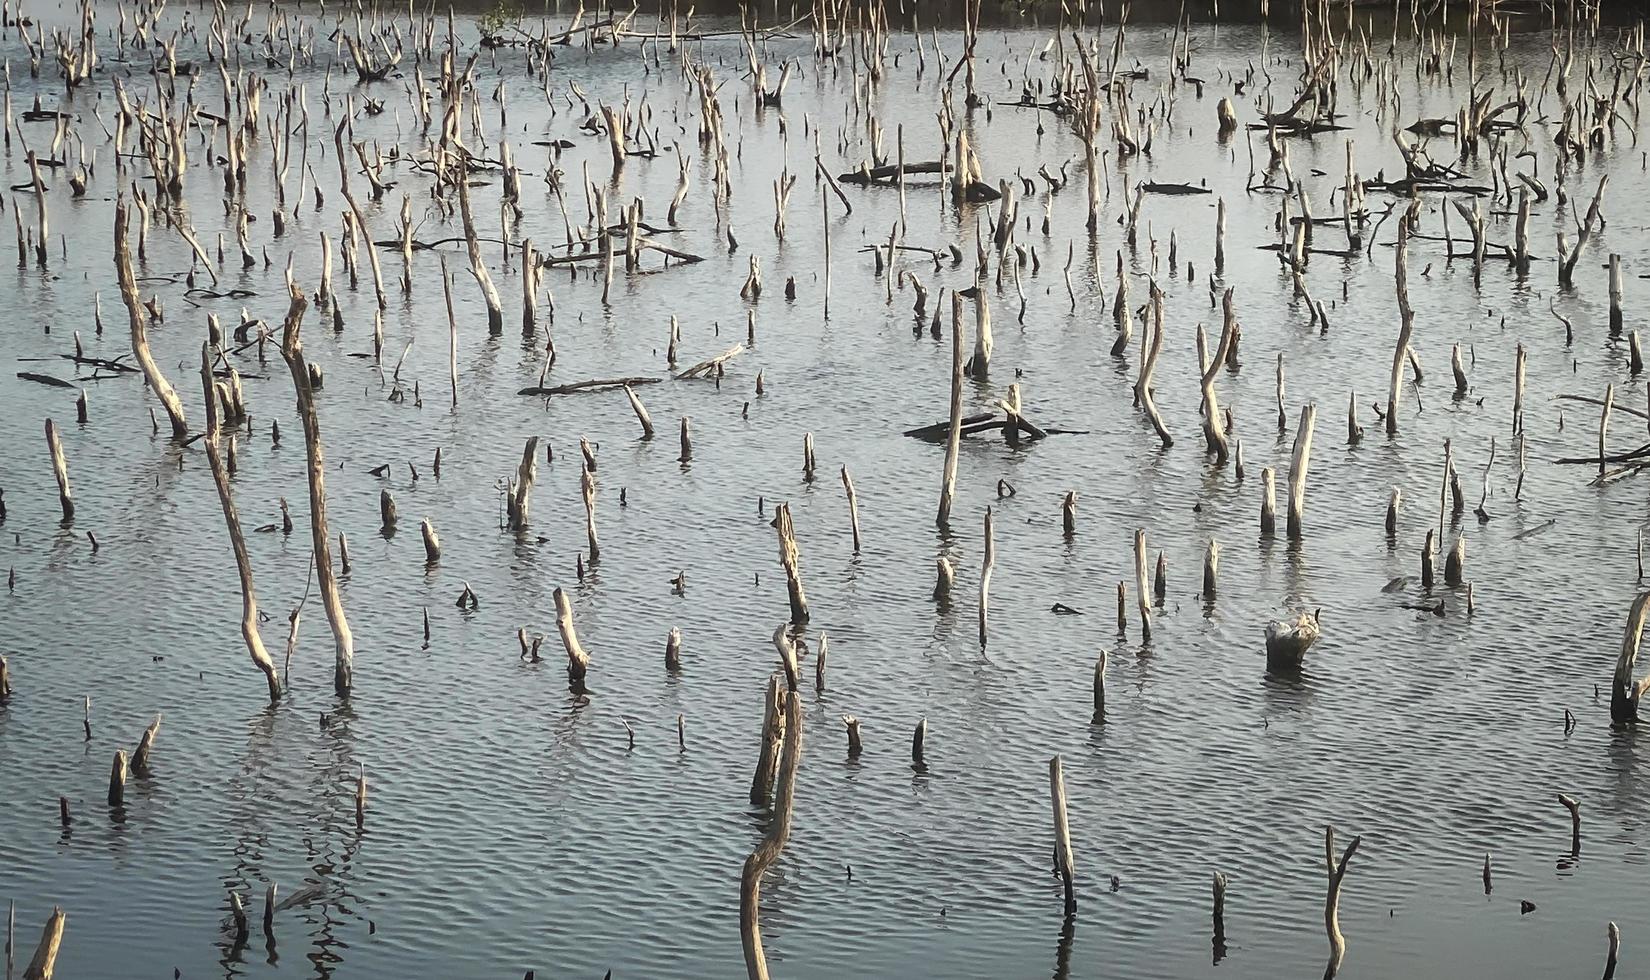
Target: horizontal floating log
x,y
45,379
596,384
1152,187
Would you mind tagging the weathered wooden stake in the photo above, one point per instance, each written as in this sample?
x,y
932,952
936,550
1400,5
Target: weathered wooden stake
x,y
1140,597
578,661
673,651
1625,691
1062,834
361,798
853,506
1298,464
1268,503
944,576
432,543
1099,717
117,779
140,757
1615,293
60,470
987,560
953,438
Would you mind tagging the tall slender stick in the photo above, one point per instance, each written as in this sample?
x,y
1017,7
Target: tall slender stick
x,y
1062,833
953,438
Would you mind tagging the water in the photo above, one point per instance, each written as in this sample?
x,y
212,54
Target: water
x,y
509,827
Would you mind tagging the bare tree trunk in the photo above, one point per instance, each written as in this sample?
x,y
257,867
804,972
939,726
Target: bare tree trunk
x,y
292,351
767,851
231,517
140,340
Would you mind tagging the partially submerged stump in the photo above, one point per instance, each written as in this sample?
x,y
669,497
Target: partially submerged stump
x,y
140,757
1287,642
45,954
117,780
773,736
789,558
578,661
1624,690
1099,716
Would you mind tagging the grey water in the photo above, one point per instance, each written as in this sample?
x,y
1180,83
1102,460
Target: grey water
x,y
511,828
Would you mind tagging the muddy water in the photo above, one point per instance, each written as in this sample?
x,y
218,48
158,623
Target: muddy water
x,y
510,827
